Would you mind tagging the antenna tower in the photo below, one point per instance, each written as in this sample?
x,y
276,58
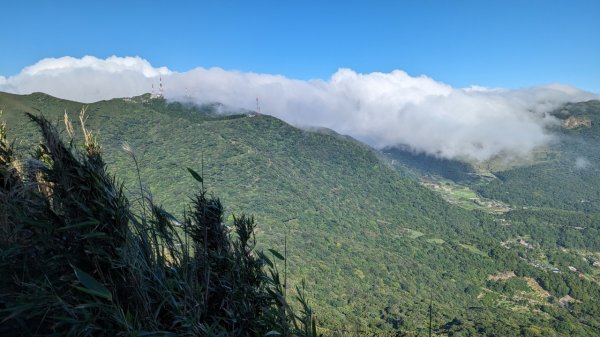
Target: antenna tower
x,y
160,94
257,106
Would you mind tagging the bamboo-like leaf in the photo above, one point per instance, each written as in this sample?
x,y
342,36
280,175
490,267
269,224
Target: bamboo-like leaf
x,y
168,215
276,254
195,175
94,235
91,222
90,285
267,261
143,333
16,311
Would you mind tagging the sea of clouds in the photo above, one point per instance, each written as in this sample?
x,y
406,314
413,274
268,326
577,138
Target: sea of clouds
x,y
381,109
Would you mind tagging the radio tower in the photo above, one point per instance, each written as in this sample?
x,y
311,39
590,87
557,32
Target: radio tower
x,y
257,107
160,93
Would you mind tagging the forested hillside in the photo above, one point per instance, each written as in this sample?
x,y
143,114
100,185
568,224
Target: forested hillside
x,y
374,244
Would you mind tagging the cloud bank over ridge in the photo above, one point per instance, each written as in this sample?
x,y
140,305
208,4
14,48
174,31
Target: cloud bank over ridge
x,y
382,109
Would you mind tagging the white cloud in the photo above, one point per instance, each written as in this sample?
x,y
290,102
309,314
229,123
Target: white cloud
x,y
113,64
582,163
86,79
382,109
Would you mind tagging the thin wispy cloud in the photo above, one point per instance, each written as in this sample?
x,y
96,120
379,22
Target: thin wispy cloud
x,y
582,163
382,109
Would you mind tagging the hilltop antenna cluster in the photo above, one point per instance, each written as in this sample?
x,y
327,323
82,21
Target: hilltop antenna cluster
x,y
257,111
153,94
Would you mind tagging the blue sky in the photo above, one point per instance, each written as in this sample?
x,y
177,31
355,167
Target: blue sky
x,y
510,44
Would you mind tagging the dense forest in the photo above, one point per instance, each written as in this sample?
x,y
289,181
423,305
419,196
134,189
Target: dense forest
x,y
375,250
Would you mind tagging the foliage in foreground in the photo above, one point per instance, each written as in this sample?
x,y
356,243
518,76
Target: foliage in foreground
x,y
77,260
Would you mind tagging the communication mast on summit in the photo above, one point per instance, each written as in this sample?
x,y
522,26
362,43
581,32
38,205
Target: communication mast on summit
x,y
160,89
257,111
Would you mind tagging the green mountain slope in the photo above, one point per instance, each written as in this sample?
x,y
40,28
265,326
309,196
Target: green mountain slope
x,y
568,177
374,247
549,203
